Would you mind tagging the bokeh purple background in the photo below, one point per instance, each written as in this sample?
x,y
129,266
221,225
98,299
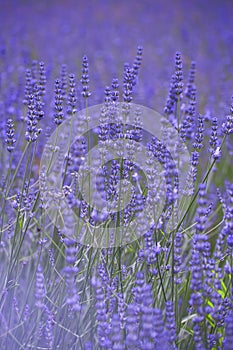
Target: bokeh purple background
x,y
109,31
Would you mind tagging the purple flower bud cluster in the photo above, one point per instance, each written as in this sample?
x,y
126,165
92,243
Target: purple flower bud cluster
x,y
187,127
63,80
202,209
227,126
138,61
58,103
49,328
228,227
147,329
178,242
178,74
72,299
191,88
115,90
10,135
198,144
109,286
34,70
228,341
151,251
199,344
40,291
200,251
171,324
103,328
214,140
28,86
128,83
72,96
112,181
32,119
172,97
38,102
42,79
85,78
193,170
117,333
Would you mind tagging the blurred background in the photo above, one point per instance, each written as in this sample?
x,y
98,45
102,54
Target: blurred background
x,y
109,32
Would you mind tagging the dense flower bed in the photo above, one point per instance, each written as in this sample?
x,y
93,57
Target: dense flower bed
x,y
170,285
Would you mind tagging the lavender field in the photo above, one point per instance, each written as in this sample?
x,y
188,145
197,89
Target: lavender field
x,y
116,175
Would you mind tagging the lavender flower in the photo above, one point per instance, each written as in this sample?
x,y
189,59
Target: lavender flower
x,y
128,84
178,256
117,333
115,90
49,328
137,63
32,131
131,327
198,144
197,338
58,103
178,74
34,70
202,208
10,134
85,78
28,86
38,103
191,88
170,324
228,227
107,94
227,126
147,326
63,80
70,270
103,328
42,79
229,332
172,97
72,97
186,131
40,291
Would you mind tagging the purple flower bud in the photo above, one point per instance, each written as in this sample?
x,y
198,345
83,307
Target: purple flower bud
x,y
128,84
178,74
63,80
227,127
42,79
198,144
71,270
10,133
115,91
85,78
28,86
172,97
58,103
40,288
191,79
72,97
137,63
32,131
228,341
